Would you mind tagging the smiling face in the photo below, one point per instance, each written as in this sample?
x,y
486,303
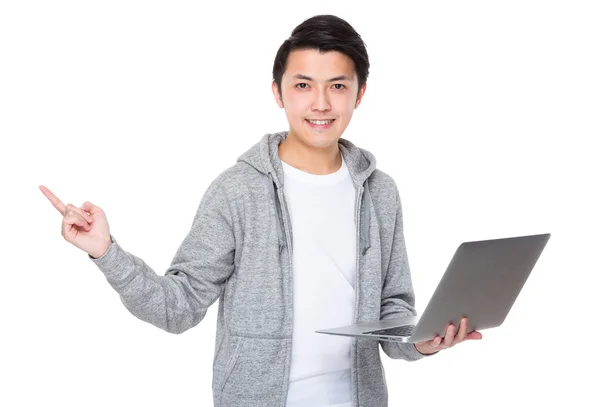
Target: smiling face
x,y
319,92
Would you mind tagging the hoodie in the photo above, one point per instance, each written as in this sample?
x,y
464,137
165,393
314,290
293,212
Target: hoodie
x,y
239,251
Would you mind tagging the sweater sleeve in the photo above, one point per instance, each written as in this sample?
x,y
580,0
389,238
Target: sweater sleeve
x,y
398,297
179,299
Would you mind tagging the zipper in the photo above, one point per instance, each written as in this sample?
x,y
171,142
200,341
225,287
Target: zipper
x,y
357,217
288,238
357,205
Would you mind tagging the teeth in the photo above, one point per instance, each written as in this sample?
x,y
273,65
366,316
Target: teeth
x,y
320,122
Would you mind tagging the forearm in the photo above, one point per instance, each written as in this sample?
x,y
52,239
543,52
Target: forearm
x,y
167,302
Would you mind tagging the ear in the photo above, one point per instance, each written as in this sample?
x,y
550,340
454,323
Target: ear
x,y
277,94
360,95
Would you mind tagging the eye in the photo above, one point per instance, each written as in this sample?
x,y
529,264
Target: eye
x,y
341,86
301,87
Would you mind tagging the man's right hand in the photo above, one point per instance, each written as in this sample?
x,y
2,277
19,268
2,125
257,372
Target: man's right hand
x,y
85,227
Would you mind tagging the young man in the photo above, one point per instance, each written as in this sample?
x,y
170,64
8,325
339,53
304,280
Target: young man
x,y
302,233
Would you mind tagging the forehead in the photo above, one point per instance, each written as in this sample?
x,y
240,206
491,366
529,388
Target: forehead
x,y
320,66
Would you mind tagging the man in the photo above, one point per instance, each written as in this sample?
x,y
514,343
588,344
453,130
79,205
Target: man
x,y
302,233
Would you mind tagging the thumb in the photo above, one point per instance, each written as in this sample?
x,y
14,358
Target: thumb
x,y
89,207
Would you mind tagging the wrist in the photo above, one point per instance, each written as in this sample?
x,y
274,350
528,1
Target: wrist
x,y
102,252
423,351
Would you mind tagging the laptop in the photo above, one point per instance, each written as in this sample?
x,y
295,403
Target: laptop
x,y
481,283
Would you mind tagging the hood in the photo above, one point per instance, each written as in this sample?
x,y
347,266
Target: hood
x,y
264,157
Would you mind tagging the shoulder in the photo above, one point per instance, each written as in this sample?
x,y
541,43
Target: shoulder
x,y
238,179
383,186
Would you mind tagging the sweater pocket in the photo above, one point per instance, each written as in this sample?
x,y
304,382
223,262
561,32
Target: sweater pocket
x,y
237,343
255,373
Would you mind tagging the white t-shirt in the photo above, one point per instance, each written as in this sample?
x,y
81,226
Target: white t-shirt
x,y
324,266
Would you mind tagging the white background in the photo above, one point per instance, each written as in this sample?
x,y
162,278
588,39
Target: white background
x,y
485,113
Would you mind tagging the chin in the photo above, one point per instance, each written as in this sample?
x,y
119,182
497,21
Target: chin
x,y
325,141
320,139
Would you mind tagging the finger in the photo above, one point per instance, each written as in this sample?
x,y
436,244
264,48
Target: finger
x,y
474,335
89,207
80,211
429,346
450,332
53,199
73,218
70,208
462,331
69,224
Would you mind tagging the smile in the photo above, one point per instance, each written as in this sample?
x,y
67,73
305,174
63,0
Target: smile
x,y
320,124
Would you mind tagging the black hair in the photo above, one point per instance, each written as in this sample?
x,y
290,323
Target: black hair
x,y
325,33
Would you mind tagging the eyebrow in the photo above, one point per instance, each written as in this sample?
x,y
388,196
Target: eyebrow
x,y
308,78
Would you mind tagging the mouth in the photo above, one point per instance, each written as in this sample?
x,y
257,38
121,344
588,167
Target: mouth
x,y
320,124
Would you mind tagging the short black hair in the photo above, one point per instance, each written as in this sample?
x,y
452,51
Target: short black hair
x,y
325,33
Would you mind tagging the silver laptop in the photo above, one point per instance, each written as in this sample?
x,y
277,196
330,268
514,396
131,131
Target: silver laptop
x,y
481,283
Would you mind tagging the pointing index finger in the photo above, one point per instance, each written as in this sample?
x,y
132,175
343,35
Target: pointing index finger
x,y
53,199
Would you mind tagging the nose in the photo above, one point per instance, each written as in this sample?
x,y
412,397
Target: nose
x,y
321,101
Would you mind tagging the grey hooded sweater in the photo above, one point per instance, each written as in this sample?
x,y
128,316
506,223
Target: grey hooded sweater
x,y
239,250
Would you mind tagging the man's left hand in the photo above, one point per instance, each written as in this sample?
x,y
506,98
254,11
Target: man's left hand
x,y
450,339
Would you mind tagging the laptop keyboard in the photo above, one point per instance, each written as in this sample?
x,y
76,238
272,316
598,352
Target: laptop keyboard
x,y
405,330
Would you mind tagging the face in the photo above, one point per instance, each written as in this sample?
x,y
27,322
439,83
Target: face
x,y
319,93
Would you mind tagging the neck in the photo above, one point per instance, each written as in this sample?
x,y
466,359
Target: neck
x,y
317,161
